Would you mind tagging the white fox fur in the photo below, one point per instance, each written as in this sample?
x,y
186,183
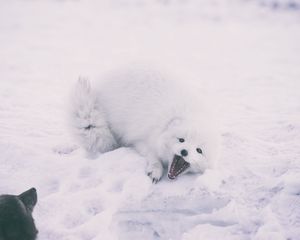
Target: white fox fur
x,y
142,109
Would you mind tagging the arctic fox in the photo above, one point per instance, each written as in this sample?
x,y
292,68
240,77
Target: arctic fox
x,y
16,220
164,120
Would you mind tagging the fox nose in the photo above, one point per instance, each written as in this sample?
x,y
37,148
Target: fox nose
x,y
184,153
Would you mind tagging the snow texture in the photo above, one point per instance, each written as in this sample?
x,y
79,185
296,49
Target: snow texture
x,y
246,56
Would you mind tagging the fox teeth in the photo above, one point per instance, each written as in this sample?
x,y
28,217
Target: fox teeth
x,y
180,170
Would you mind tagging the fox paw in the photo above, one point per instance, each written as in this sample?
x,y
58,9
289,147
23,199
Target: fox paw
x,y
155,172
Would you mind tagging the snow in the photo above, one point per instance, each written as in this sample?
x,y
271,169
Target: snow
x,y
244,53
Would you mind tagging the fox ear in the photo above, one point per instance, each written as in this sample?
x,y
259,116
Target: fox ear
x,y
173,123
29,198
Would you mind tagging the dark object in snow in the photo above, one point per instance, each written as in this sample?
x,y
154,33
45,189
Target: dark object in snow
x,y
281,5
16,222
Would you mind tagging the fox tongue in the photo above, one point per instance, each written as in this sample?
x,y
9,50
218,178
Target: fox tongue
x,y
178,166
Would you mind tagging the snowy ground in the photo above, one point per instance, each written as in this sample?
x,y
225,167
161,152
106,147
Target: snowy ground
x,y
245,53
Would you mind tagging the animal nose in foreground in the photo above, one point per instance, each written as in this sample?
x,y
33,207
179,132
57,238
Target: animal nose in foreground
x,y
184,153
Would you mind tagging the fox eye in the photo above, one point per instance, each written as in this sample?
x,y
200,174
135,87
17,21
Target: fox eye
x,y
181,140
199,150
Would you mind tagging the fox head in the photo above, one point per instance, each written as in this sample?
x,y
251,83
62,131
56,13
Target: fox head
x,y
16,222
189,147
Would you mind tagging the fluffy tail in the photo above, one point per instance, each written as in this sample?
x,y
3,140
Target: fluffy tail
x,y
89,121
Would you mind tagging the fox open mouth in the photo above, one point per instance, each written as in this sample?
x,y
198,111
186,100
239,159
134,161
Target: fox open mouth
x,y
178,166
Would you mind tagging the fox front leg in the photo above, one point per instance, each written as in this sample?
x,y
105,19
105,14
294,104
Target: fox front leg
x,y
154,170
